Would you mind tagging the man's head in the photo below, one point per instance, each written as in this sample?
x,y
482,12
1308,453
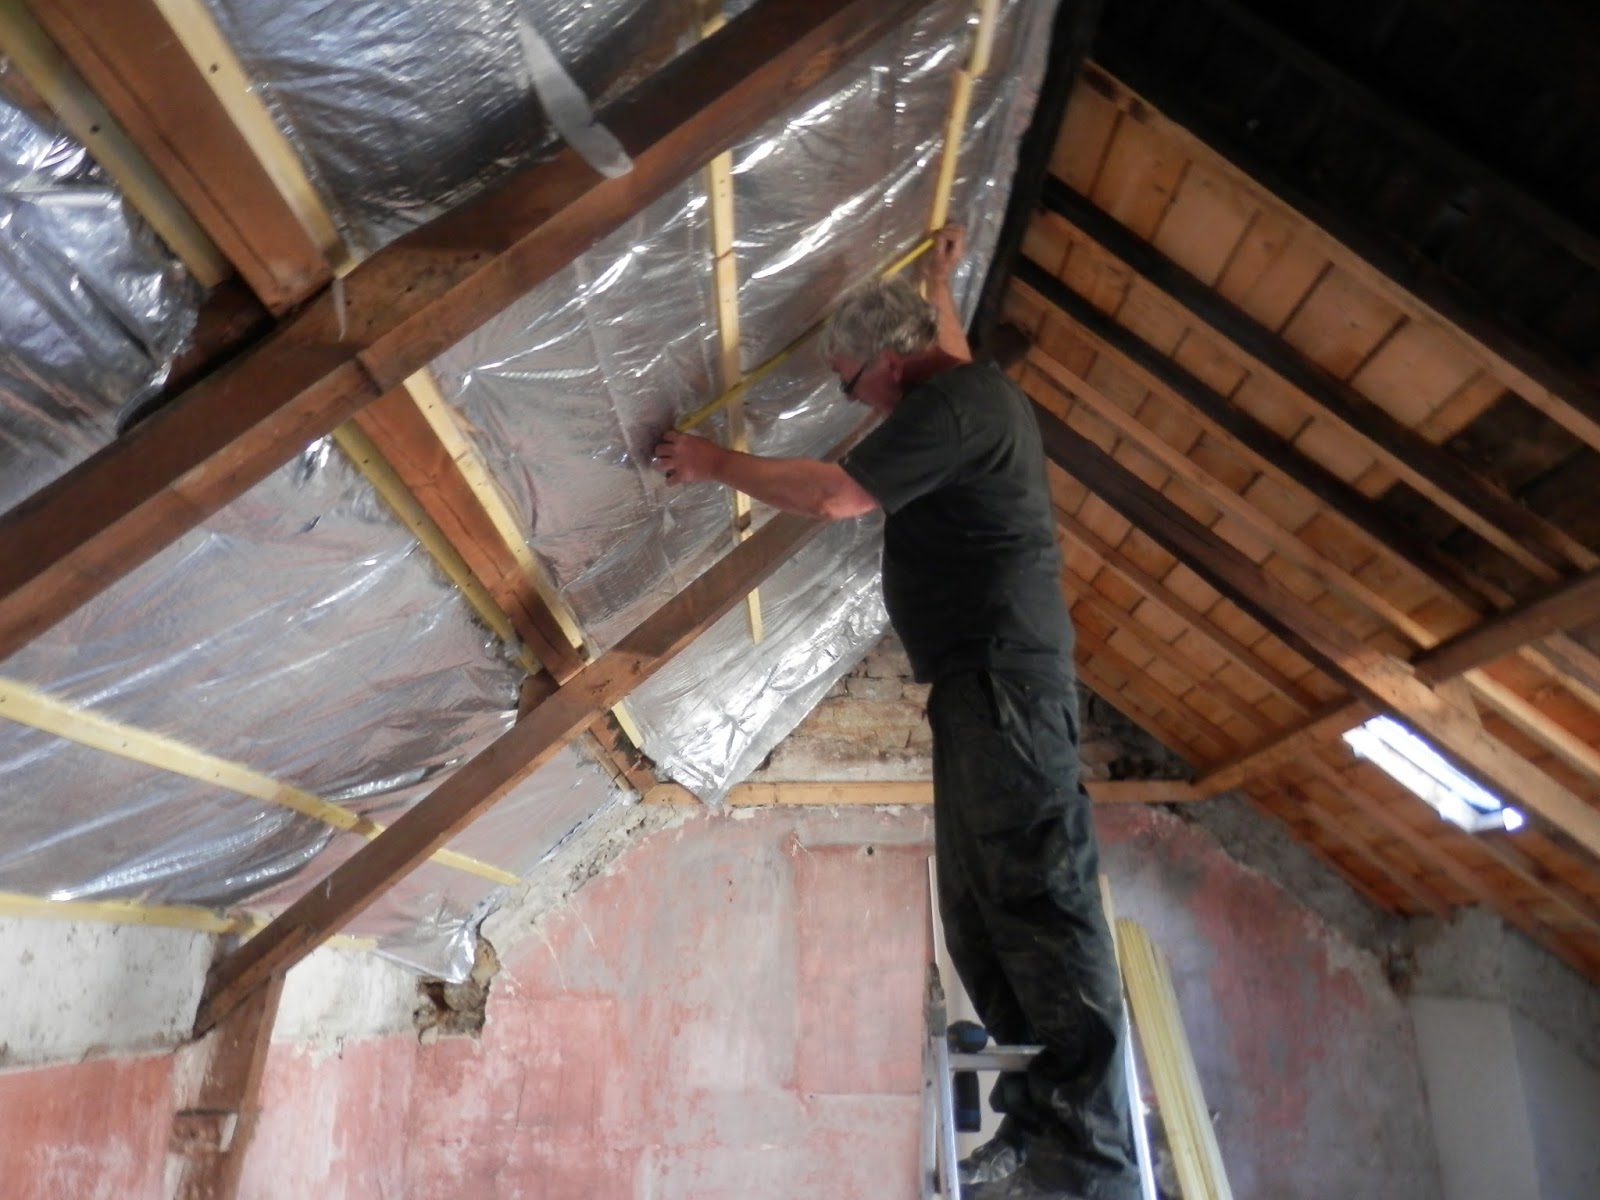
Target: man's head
x,y
874,333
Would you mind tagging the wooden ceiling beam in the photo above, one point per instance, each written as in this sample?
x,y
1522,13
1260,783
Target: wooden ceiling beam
x,y
400,431
1279,458
475,786
1541,374
1396,874
1294,817
1581,914
1141,679
1476,647
1200,623
1081,594
1276,456
1515,531
136,62
1316,730
233,141
1379,678
1141,710
1432,853
1568,606
402,307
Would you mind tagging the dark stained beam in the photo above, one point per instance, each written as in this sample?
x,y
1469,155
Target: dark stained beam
x,y
1514,530
474,787
1070,39
1273,454
1379,678
1569,606
403,307
1567,391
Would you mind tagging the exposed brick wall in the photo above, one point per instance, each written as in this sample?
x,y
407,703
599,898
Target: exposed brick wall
x,y
871,726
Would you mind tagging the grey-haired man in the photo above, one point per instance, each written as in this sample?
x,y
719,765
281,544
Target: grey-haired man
x,y
971,579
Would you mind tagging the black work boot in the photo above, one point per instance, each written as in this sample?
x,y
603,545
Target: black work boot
x,y
1019,1185
1000,1156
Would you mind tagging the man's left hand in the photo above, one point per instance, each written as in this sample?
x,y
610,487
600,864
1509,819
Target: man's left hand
x,y
685,458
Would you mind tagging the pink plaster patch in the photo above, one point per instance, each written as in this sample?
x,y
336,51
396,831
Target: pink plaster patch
x,y
529,1111
331,1122
90,1131
863,947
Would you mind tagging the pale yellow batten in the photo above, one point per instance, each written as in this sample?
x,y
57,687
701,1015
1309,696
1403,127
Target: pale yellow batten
x,y
725,291
1190,1136
196,31
71,99
161,916
978,56
29,706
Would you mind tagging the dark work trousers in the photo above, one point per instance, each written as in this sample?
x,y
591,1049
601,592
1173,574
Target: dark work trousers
x,y
1020,900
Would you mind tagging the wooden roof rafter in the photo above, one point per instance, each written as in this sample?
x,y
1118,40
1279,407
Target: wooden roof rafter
x,y
1394,872
1532,542
1091,610
354,344
1136,428
1378,678
1083,405
1382,800
408,444
1539,374
1288,691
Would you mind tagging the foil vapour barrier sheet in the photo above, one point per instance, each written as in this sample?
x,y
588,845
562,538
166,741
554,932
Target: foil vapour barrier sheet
x,y
303,633
300,632
92,308
822,610
402,110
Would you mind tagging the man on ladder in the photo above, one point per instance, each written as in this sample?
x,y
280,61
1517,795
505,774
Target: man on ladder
x,y
971,578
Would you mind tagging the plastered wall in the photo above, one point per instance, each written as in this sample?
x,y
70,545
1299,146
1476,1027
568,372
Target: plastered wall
x,y
733,1009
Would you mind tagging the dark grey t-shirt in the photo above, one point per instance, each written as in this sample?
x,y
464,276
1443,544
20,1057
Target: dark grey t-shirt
x,y
971,572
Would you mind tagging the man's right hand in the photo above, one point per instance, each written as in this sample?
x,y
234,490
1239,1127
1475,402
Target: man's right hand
x,y
949,248
685,458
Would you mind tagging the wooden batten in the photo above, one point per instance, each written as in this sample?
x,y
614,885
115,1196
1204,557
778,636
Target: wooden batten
x,y
1159,1025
